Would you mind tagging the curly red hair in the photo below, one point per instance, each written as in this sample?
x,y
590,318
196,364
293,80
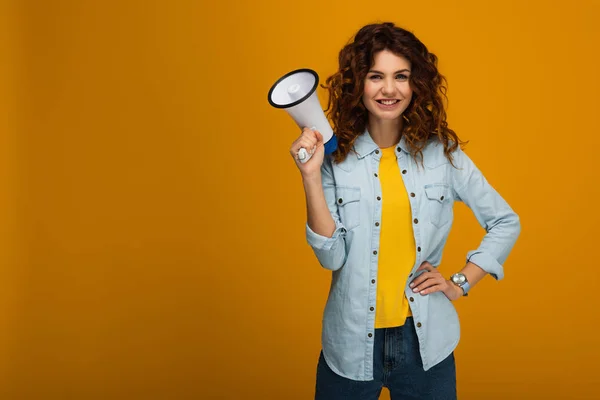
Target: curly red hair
x,y
425,116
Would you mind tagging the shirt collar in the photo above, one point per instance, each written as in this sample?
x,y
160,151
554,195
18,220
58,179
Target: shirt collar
x,y
364,145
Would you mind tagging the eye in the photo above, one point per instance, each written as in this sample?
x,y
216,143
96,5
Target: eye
x,y
375,77
402,77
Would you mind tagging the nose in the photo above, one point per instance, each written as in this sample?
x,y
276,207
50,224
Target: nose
x,y
388,87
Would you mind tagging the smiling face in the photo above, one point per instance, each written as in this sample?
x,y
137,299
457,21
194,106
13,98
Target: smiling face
x,y
387,92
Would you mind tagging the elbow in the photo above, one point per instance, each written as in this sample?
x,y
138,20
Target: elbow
x,y
509,224
333,259
516,226
333,265
330,251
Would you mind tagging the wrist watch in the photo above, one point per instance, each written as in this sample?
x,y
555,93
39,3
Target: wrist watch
x,y
460,280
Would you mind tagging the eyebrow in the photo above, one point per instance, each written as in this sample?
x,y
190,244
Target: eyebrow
x,y
379,72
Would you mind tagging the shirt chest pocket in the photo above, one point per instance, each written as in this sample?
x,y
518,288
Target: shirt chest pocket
x,y
439,204
348,202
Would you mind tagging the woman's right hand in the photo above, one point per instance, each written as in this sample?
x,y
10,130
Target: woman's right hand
x,y
312,141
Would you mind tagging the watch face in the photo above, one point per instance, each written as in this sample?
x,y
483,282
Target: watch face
x,y
459,279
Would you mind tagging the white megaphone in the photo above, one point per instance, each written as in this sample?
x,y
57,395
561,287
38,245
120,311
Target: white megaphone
x,y
295,92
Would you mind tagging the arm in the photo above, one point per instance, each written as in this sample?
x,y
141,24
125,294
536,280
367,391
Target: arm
x,y
317,214
501,223
324,231
493,214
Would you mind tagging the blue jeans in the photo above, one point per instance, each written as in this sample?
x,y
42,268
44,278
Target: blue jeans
x,y
397,366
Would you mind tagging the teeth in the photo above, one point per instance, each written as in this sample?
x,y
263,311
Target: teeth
x,y
388,102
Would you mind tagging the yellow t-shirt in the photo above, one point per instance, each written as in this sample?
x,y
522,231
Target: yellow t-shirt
x,y
396,245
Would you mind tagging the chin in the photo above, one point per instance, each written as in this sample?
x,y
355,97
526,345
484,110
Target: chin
x,y
382,115
387,116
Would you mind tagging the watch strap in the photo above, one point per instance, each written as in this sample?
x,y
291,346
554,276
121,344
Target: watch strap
x,y
465,287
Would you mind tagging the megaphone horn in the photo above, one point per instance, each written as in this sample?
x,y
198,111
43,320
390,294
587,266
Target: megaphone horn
x,y
295,92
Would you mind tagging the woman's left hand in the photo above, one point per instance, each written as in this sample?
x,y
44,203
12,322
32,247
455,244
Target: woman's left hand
x,y
433,281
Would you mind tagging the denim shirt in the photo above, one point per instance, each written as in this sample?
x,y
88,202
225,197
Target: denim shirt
x,y
353,194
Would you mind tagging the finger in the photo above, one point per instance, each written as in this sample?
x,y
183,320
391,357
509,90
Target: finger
x,y
319,143
432,289
319,137
307,132
425,275
302,142
296,143
420,279
310,138
434,280
309,146
312,133
425,281
313,137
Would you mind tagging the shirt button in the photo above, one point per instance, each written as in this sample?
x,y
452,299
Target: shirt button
x,y
398,148
410,275
370,335
442,198
375,174
343,230
378,197
412,195
340,201
416,221
376,151
412,299
372,308
376,223
372,280
419,249
374,252
419,325
403,171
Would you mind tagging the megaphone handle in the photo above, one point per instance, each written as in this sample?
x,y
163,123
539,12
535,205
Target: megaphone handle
x,y
303,154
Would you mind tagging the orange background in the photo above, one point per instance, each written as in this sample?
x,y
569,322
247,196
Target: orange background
x,y
152,241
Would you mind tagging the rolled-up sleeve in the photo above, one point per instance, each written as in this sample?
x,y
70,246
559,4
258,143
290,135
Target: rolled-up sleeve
x,y
330,251
493,213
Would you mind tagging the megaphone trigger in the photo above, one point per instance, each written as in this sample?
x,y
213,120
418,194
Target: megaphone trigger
x,y
303,155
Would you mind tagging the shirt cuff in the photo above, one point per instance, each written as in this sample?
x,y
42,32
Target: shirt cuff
x,y
321,242
487,263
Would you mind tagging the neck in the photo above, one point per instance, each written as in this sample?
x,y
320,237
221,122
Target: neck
x,y
385,133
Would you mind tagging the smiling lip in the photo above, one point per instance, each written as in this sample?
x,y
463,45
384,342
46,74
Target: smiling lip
x,y
386,106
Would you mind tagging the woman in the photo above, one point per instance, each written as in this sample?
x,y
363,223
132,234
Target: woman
x,y
379,211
